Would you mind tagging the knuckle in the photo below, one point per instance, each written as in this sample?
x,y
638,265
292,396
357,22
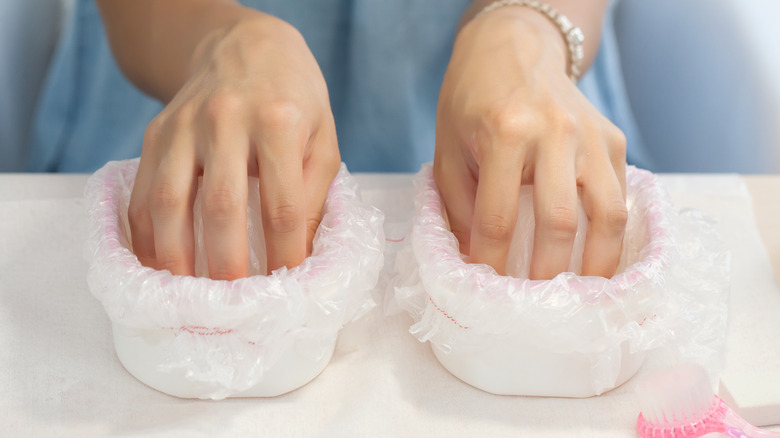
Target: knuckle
x,y
495,227
615,217
331,160
564,122
222,203
281,114
164,198
561,222
509,122
154,130
284,218
222,103
312,224
135,211
616,140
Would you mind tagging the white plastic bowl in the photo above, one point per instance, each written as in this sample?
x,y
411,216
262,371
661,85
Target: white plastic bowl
x,y
253,337
571,336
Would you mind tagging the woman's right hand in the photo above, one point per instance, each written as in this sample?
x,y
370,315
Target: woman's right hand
x,y
255,104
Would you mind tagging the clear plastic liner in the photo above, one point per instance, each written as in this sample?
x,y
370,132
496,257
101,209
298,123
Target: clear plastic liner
x,y
670,291
227,333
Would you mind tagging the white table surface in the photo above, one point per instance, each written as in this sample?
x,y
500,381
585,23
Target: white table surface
x,y
59,376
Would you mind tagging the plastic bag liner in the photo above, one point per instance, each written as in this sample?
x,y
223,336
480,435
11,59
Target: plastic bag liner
x,y
572,336
197,337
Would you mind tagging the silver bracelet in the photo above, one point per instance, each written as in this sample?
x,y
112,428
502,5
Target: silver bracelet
x,y
572,34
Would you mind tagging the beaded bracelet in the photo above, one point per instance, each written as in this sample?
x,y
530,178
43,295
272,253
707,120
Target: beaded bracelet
x,y
572,34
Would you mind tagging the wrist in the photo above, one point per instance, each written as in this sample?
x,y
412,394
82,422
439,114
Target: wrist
x,y
528,31
540,16
238,25
248,31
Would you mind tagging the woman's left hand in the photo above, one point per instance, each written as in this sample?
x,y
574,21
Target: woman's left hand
x,y
508,115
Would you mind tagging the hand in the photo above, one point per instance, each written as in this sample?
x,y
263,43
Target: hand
x,y
255,104
509,115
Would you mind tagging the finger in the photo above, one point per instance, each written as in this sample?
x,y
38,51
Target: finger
x,y
170,205
141,228
495,210
282,201
319,170
605,205
617,156
555,215
458,189
224,197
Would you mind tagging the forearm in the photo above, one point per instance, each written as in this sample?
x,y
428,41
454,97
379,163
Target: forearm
x,y
585,14
155,41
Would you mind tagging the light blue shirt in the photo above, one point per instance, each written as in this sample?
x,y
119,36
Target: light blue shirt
x,y
383,62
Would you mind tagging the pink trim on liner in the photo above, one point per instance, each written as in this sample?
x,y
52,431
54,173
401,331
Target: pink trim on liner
x,y
203,331
447,315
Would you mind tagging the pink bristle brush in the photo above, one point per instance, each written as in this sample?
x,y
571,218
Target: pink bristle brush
x,y
679,403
